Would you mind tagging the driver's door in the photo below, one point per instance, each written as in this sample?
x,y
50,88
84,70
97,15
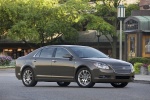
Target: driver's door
x,y
62,67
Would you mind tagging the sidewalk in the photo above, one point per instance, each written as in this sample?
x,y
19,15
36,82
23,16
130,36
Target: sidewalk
x,y
142,78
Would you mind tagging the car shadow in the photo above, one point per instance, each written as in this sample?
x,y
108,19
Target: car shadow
x,y
95,87
73,85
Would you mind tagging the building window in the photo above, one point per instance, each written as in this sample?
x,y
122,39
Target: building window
x,y
147,45
131,25
132,44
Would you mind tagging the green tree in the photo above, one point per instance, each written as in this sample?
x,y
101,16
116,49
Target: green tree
x,y
5,22
130,8
42,21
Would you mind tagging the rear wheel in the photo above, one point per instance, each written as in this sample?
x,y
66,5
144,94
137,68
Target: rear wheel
x,y
28,77
84,78
63,84
119,85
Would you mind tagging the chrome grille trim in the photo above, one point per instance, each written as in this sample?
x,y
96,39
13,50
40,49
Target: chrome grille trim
x,y
122,69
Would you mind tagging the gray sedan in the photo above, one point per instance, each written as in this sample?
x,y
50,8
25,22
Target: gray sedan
x,y
72,63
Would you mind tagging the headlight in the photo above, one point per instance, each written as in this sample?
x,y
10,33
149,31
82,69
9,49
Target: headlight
x,y
101,65
132,68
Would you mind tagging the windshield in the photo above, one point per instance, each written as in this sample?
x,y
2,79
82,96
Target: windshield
x,y
88,52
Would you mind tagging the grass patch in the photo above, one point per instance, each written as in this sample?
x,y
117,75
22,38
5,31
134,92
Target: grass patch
x,y
5,67
10,65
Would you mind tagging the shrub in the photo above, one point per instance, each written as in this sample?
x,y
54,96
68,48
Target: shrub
x,y
139,60
5,60
137,67
149,68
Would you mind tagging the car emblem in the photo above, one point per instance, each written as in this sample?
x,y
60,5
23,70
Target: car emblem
x,y
123,68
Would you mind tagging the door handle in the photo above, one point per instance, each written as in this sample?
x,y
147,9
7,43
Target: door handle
x,y
54,61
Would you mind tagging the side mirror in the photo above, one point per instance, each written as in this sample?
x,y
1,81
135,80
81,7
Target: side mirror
x,y
68,56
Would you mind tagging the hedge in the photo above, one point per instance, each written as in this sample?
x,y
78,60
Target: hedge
x,y
139,60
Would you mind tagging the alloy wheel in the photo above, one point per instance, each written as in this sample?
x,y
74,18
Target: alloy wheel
x,y
84,78
28,77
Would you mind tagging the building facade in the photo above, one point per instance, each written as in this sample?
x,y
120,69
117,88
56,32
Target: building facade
x,y
15,49
137,30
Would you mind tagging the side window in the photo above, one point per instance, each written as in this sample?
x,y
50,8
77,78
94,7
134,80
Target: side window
x,y
38,54
47,53
60,52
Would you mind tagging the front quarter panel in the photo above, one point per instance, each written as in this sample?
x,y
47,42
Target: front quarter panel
x,y
79,63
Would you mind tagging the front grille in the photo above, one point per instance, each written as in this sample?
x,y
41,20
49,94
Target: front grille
x,y
122,77
122,69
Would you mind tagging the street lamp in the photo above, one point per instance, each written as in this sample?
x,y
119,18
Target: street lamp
x,y
121,16
98,34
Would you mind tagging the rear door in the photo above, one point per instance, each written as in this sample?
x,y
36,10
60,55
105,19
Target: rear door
x,y
43,61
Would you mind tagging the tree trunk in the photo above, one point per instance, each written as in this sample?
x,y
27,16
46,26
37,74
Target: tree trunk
x,y
42,39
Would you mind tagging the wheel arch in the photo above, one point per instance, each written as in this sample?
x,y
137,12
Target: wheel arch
x,y
24,67
81,66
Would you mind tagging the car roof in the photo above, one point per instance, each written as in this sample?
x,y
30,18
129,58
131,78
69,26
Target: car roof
x,y
64,46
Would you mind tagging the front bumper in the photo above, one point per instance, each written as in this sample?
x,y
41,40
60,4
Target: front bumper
x,y
109,76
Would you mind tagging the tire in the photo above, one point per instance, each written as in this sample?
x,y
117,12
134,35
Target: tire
x,y
63,84
84,78
28,78
119,85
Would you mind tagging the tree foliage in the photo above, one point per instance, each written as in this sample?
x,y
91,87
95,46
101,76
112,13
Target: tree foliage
x,y
130,8
40,21
44,21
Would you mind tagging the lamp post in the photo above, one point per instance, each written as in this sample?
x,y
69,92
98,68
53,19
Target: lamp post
x,y
121,16
98,34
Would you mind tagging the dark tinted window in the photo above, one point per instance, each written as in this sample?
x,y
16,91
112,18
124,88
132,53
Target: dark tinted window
x,y
88,52
60,52
47,53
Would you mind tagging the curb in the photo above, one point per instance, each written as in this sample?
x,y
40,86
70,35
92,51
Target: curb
x,y
141,81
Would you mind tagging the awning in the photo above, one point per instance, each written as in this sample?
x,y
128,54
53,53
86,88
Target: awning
x,y
137,23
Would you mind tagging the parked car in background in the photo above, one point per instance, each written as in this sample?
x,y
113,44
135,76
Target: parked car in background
x,y
72,63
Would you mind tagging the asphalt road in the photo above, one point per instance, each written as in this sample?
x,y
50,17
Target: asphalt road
x,y
13,89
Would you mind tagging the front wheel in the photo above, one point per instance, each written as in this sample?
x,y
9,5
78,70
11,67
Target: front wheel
x,y
119,85
28,78
63,84
84,78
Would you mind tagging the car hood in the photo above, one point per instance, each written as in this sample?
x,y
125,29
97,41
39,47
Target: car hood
x,y
110,61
